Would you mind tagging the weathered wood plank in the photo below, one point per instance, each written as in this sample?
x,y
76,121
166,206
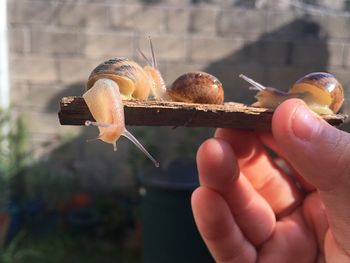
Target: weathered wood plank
x,y
74,111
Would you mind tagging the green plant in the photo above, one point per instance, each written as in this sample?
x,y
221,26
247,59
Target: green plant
x,y
12,253
62,247
13,145
13,154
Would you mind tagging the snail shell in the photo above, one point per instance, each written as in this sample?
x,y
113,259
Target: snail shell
x,y
133,80
321,91
324,91
197,87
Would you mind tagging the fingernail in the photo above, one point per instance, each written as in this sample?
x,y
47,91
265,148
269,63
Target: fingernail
x,y
305,123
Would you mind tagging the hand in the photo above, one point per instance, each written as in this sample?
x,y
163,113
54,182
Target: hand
x,y
248,209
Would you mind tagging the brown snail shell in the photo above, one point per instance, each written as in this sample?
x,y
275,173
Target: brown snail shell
x,y
197,87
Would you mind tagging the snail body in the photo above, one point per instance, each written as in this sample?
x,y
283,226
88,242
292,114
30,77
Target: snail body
x,y
321,92
109,83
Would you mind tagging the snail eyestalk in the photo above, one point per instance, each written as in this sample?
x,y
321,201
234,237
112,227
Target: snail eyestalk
x,y
132,138
154,61
99,124
256,85
158,88
148,61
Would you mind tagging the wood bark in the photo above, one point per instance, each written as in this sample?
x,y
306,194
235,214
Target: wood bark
x,y
74,111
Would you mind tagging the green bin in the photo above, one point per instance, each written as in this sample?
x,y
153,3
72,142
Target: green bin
x,y
169,231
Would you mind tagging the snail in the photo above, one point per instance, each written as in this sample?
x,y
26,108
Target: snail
x,y
197,87
120,78
321,92
109,83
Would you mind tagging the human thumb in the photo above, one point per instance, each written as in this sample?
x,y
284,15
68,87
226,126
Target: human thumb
x,y
321,154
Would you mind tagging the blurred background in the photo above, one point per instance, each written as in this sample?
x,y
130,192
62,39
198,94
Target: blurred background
x,y
63,199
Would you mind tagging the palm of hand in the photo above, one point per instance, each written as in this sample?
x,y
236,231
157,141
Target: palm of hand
x,y
249,210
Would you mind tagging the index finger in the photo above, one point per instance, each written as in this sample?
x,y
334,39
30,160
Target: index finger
x,y
264,174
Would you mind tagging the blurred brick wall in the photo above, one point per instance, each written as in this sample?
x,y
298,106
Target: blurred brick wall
x,y
54,44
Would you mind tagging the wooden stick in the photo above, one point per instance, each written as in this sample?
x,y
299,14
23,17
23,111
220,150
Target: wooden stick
x,y
74,111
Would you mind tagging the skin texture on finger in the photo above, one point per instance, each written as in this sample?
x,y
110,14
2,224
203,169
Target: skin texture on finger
x,y
334,253
218,228
316,218
218,170
291,242
321,153
257,165
268,140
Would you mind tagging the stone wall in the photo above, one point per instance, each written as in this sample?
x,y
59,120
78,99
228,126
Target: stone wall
x,y
54,44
